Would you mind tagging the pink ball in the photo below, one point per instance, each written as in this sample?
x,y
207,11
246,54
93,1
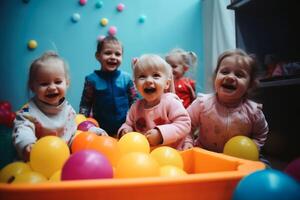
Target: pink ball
x,y
82,2
85,125
293,169
112,30
120,7
86,164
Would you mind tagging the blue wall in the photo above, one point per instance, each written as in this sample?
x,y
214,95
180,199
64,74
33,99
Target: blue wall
x,y
169,24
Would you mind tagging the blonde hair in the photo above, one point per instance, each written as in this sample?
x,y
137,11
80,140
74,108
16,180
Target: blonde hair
x,y
37,63
188,58
154,62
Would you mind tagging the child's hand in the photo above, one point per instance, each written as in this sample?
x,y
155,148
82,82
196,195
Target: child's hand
x,y
123,132
98,131
26,152
154,137
187,145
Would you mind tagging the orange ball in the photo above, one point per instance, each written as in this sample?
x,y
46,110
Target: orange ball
x,y
137,164
108,146
93,120
82,140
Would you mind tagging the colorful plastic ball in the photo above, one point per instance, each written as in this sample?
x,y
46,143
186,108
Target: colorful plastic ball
x,y
30,177
241,147
8,172
133,142
82,140
112,30
167,156
137,164
86,164
104,21
5,105
94,121
85,125
100,37
108,146
82,2
142,18
99,4
267,184
32,44
171,171
55,177
293,169
75,17
48,155
80,118
120,7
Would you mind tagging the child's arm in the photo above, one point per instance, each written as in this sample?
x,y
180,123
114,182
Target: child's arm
x,y
87,98
260,128
180,125
129,123
23,134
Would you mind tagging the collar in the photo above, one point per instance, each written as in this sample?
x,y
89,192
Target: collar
x,y
49,109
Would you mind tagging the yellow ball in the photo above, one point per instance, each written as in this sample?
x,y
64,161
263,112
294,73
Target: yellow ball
x,y
32,44
55,177
80,118
133,142
167,156
171,171
48,155
241,147
136,164
104,21
11,170
30,177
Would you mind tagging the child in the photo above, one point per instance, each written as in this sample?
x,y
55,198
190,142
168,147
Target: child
x,y
47,112
108,93
159,115
181,61
229,112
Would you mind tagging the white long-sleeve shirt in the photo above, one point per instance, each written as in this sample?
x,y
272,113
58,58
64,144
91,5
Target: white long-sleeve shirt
x,y
37,119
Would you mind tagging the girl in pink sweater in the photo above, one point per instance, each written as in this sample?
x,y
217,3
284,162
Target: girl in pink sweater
x,y
228,112
159,115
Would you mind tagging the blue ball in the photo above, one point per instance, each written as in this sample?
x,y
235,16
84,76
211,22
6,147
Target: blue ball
x,y
267,184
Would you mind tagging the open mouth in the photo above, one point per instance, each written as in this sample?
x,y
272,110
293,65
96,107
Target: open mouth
x,y
52,95
149,90
229,87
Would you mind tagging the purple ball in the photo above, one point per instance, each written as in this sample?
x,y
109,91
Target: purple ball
x,y
293,169
86,164
85,125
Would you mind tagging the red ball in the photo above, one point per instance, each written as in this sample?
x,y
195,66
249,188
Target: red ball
x,y
5,105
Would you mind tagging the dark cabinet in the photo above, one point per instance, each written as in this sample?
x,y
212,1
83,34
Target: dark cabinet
x,y
265,27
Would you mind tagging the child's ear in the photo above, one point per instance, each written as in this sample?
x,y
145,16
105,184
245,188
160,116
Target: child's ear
x,y
168,83
185,68
68,83
97,55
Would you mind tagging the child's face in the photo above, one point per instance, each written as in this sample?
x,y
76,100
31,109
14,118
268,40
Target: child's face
x,y
50,84
110,56
232,80
151,83
177,66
